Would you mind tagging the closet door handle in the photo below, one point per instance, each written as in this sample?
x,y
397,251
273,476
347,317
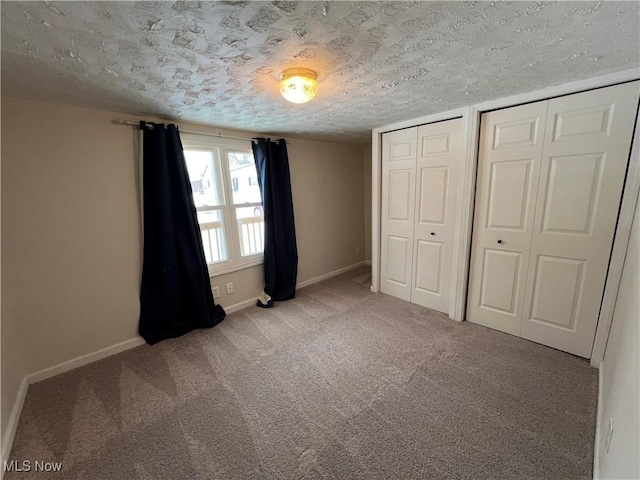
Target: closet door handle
x,y
500,241
433,233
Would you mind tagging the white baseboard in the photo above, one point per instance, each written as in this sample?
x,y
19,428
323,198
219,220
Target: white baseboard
x,y
311,281
242,305
12,425
84,360
596,448
252,301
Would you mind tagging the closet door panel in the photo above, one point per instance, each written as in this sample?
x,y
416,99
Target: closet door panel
x,y
433,188
501,273
509,194
587,143
429,280
510,150
398,211
437,165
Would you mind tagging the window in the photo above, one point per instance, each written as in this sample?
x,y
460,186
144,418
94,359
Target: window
x,y
227,200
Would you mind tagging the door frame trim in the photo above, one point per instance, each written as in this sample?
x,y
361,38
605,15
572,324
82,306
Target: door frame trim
x,y
619,250
466,196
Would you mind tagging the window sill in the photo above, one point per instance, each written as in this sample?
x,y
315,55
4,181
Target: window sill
x,y
217,271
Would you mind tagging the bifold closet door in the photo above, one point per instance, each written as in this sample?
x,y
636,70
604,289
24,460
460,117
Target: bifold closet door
x,y
398,203
586,150
437,165
550,180
508,169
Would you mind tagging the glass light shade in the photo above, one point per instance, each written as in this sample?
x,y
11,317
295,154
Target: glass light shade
x,y
298,85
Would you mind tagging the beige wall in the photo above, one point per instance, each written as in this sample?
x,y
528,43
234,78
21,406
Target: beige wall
x,y
12,372
366,165
620,372
71,230
326,180
71,225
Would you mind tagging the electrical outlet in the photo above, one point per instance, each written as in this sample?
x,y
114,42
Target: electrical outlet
x,y
229,288
216,292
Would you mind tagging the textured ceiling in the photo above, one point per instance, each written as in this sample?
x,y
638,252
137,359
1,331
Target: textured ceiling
x,y
378,62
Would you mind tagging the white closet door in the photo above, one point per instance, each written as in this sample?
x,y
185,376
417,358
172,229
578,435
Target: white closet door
x,y
508,168
439,150
586,149
398,200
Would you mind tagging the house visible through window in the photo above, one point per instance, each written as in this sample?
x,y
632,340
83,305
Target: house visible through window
x,y
227,197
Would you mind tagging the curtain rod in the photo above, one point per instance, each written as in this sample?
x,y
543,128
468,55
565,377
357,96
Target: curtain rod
x,y
119,121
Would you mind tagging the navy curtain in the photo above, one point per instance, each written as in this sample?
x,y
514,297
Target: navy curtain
x,y
175,295
280,249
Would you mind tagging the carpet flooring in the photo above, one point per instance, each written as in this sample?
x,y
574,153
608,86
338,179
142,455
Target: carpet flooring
x,y
339,383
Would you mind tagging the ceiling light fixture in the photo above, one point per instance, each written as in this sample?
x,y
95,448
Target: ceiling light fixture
x,y
298,85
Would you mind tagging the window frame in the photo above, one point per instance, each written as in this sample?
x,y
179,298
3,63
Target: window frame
x,y
219,148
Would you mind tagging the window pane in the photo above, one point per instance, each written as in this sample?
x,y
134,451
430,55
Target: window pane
x,y
204,178
250,230
213,240
244,178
